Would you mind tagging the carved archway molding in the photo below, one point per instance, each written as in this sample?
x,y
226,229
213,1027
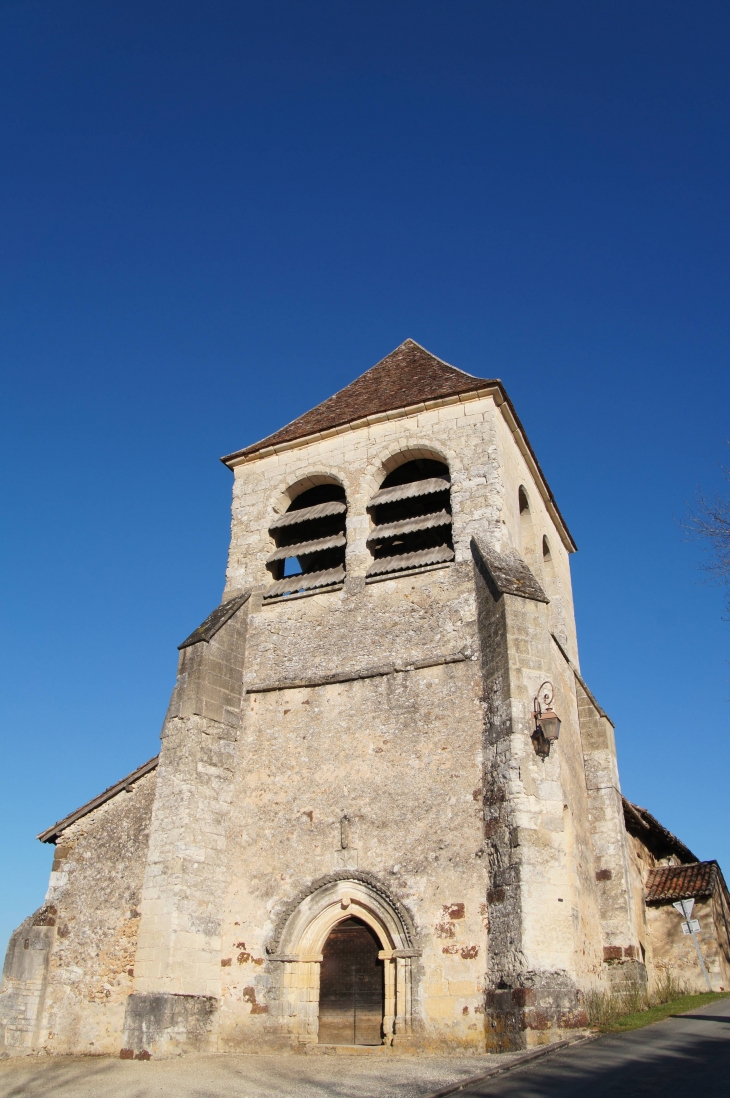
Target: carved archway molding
x,y
302,932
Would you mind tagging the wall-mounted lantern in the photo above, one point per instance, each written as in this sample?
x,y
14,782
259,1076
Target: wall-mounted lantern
x,y
547,721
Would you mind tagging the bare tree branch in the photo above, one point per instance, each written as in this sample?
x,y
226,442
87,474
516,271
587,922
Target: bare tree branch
x,y
708,521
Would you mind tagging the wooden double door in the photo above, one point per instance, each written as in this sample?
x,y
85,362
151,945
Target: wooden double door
x,y
351,987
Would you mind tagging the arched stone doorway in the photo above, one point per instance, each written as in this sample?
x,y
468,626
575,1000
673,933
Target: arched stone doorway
x,y
382,935
351,986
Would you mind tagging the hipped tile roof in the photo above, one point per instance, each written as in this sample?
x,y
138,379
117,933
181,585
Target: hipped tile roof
x,y
680,882
408,375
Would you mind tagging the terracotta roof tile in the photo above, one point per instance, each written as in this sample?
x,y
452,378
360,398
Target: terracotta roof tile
x,y
679,882
408,375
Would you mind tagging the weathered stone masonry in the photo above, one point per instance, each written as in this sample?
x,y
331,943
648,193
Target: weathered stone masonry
x,y
360,749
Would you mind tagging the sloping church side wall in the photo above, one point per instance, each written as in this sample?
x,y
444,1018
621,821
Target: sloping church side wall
x,y
73,996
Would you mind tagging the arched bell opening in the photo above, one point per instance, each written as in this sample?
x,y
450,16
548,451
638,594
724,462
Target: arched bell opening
x,y
351,986
411,515
309,541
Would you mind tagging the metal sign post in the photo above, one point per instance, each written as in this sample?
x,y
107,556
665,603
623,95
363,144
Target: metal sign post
x,y
691,926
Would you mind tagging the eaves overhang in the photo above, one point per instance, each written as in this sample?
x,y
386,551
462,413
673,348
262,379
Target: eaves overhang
x,y
51,834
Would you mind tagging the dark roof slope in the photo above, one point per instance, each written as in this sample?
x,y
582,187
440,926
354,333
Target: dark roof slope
x,y
509,572
52,833
679,882
653,835
215,621
408,375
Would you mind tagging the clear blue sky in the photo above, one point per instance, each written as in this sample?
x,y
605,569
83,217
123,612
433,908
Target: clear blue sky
x,y
213,215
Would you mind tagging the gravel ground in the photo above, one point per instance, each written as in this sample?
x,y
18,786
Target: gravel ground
x,y
364,1075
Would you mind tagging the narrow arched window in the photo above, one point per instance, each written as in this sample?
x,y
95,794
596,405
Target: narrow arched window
x,y
548,566
527,533
411,514
310,542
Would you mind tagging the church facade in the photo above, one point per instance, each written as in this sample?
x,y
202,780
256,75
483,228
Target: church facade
x,y
386,807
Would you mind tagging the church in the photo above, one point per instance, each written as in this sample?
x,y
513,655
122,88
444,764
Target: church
x,y
386,808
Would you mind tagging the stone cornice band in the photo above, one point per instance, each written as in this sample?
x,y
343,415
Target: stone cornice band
x,y
353,676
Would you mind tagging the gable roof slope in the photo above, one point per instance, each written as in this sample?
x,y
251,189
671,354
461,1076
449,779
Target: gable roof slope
x,y
408,375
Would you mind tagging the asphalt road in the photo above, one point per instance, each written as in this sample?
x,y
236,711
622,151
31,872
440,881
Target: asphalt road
x,y
688,1055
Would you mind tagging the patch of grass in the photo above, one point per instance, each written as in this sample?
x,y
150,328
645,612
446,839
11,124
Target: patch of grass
x,y
646,1016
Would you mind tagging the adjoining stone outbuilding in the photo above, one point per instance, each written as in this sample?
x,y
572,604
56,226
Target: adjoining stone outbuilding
x,y
361,828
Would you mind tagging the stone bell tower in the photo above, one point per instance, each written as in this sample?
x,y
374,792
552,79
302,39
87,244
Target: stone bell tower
x,y
356,815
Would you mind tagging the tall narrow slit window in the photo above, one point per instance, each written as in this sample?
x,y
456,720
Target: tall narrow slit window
x,y
412,518
527,533
310,542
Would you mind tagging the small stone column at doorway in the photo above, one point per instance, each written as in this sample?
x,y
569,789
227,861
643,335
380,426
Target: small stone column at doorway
x,y
351,989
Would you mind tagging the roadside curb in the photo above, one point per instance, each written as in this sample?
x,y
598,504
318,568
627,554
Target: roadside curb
x,y
513,1065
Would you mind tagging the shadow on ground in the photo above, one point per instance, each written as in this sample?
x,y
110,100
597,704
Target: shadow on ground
x,y
686,1054
242,1076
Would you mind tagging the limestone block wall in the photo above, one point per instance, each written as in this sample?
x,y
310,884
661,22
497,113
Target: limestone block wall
x,y
673,952
398,753
619,881
640,860
544,936
526,532
465,432
65,990
178,951
397,620
24,982
578,828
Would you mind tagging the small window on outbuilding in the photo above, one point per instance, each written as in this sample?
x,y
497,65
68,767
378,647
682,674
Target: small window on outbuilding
x,y
310,542
411,513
